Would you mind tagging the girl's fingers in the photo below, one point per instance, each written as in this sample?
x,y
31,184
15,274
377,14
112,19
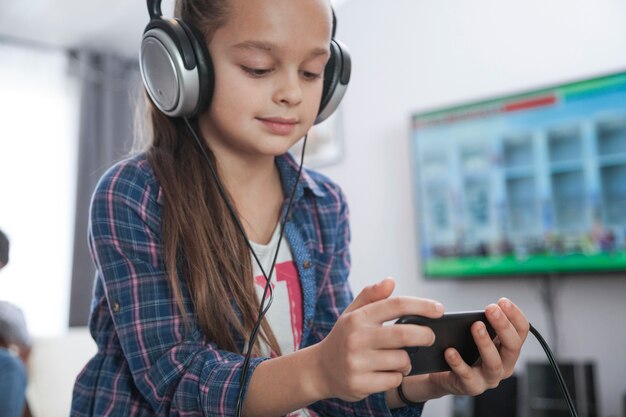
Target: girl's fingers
x,y
392,360
491,365
371,294
393,308
510,339
497,357
515,316
383,381
399,336
465,374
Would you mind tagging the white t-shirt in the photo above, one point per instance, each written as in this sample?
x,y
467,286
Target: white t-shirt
x,y
285,315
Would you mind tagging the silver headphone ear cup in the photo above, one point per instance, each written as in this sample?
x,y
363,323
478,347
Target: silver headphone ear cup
x,y
336,79
173,88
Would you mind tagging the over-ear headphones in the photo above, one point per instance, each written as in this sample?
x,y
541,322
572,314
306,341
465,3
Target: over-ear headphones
x,y
177,71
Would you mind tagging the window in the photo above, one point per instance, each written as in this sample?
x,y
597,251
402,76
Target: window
x,y
38,148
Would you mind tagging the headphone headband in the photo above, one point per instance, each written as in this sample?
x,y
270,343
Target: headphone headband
x,y
154,8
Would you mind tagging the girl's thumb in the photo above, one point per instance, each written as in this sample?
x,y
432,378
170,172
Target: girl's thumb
x,y
373,293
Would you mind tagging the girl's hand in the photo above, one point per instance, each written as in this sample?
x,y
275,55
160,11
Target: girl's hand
x,y
360,356
497,358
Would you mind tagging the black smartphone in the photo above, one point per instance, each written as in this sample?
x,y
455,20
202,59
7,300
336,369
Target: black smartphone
x,y
451,330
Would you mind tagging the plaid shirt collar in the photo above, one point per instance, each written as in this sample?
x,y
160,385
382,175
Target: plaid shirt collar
x,y
288,169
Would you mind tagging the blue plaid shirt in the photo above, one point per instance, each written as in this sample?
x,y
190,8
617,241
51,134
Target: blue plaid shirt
x,y
147,363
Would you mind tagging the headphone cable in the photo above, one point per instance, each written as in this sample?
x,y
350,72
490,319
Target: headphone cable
x,y
263,308
263,311
557,372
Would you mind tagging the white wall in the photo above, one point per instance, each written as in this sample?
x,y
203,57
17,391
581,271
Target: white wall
x,y
413,55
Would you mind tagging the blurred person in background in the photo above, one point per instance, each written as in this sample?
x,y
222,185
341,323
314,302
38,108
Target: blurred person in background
x,y
15,347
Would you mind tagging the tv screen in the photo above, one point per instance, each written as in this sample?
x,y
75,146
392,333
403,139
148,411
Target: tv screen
x,y
531,183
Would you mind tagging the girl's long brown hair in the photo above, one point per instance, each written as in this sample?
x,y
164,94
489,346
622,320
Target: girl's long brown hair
x,y
199,235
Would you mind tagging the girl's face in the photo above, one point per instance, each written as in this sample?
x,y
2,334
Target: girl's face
x,y
269,61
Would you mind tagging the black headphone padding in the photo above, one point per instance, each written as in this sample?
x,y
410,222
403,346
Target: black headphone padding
x,y
336,78
331,75
205,67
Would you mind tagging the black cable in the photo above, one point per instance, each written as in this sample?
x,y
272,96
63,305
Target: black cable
x,y
223,194
555,368
263,311
262,308
548,297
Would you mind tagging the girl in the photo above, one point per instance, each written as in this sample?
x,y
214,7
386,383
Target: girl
x,y
181,280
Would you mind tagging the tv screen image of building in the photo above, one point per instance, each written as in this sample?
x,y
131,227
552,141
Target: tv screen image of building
x,y
532,183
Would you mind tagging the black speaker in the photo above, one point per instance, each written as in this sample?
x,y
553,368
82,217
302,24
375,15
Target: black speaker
x,y
498,402
545,398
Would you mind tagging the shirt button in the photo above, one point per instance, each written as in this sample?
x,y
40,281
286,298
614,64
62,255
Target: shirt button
x,y
306,264
116,307
309,323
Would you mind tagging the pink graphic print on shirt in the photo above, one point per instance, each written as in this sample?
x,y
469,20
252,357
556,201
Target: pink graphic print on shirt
x,y
287,289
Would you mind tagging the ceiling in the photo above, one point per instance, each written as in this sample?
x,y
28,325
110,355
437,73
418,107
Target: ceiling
x,y
114,25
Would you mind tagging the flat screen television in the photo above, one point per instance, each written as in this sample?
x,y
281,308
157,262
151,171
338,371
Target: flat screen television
x,y
525,184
